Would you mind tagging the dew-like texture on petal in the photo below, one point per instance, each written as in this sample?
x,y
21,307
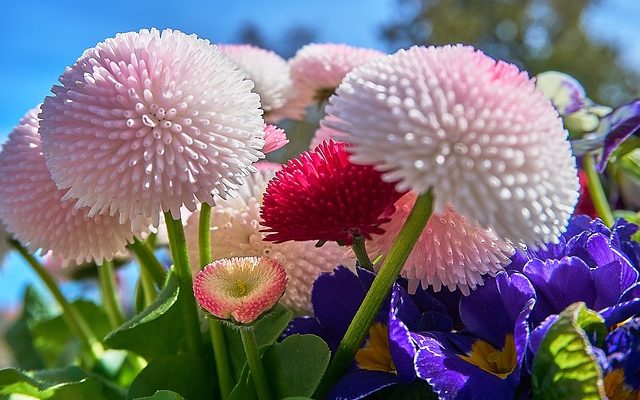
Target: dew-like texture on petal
x,y
452,251
322,196
147,122
472,130
235,232
274,139
241,288
318,68
271,75
34,211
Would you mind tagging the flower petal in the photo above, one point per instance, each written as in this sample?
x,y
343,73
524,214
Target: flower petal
x,y
621,123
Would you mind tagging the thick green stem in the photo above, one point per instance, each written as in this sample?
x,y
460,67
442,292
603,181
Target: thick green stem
x,y
187,301
382,283
108,288
72,317
218,341
221,356
204,235
255,363
360,250
148,260
598,197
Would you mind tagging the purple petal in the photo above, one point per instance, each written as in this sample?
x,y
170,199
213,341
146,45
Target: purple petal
x,y
336,298
536,338
402,309
360,384
611,281
558,284
621,123
620,312
453,378
304,326
490,312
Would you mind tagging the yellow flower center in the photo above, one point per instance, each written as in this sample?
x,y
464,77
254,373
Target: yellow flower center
x,y
375,355
500,363
616,389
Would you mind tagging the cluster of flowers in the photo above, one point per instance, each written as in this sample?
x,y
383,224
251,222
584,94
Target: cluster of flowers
x,y
149,128
482,345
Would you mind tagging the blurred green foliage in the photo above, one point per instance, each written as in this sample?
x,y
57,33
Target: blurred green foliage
x,y
537,35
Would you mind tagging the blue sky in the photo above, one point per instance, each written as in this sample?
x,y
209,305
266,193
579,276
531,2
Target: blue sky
x,y
40,38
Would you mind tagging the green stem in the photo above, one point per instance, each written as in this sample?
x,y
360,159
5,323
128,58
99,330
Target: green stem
x,y
382,283
108,288
148,260
221,356
598,197
255,363
204,235
186,300
147,285
72,317
360,250
218,341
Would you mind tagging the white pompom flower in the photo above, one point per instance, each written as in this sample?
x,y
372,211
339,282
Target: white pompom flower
x,y
37,215
271,75
471,130
149,121
236,232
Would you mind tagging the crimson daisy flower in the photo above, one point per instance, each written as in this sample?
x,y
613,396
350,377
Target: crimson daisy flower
x,y
322,196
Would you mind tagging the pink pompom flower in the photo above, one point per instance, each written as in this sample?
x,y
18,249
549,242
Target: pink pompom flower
x,y
240,289
473,131
322,196
274,139
452,251
35,211
318,68
271,75
149,121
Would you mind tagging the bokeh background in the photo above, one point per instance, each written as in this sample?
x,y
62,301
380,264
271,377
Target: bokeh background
x,y
597,41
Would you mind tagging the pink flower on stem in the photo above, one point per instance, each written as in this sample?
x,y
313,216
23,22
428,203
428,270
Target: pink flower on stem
x,y
240,289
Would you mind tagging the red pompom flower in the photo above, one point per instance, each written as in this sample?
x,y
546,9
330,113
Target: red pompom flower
x,y
322,196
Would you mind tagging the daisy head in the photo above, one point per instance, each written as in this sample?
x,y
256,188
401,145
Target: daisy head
x,y
472,130
149,121
240,289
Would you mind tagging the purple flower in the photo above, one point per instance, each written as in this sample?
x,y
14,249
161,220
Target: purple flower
x,y
616,127
622,362
591,263
387,356
485,360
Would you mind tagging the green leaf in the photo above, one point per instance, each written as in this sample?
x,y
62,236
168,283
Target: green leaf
x,y
163,395
57,384
268,329
185,374
155,332
19,337
244,390
564,366
591,323
293,367
57,344
630,163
